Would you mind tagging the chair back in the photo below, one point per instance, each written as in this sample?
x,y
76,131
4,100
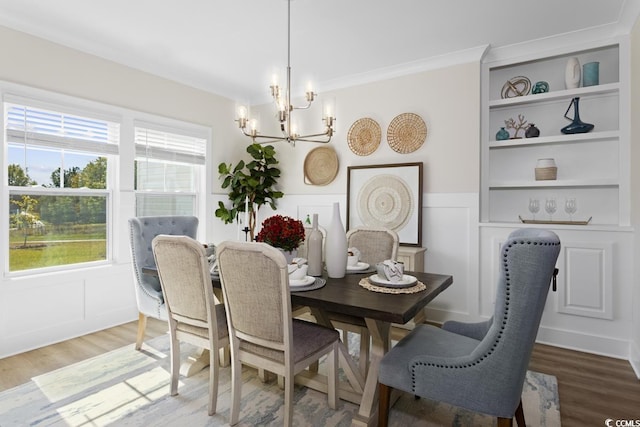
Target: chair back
x,y
184,275
255,280
497,366
142,231
375,244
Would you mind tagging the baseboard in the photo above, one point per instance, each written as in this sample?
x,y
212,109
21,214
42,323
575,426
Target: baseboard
x,y
589,343
634,358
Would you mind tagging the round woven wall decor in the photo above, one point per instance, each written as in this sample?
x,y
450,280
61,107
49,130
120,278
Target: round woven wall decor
x,y
385,201
321,166
406,133
364,136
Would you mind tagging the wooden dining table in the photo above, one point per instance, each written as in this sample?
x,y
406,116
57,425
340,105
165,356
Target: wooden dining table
x,y
377,311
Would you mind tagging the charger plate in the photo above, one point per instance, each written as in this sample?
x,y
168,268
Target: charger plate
x,y
317,284
417,287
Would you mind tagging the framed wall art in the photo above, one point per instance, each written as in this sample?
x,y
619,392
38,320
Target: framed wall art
x,y
387,196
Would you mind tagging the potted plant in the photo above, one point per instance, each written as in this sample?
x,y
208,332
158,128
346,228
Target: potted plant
x,y
253,182
282,232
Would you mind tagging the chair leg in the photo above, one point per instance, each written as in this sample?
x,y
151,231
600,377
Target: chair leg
x,y
175,364
520,415
214,368
383,404
142,325
332,377
288,399
236,384
505,422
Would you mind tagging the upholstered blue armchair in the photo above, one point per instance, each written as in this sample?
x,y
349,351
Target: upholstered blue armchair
x,y
481,366
148,290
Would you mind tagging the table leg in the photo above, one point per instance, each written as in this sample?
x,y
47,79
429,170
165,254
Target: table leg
x,y
200,360
380,343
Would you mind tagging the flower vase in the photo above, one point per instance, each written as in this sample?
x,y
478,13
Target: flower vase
x,y
336,246
314,249
289,255
577,125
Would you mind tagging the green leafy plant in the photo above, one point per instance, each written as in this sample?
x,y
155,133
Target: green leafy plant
x,y
255,180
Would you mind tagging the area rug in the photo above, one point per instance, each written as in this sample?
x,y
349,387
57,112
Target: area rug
x,y
131,388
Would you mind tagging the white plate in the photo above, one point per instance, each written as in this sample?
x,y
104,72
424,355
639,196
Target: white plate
x,y
359,266
404,283
301,282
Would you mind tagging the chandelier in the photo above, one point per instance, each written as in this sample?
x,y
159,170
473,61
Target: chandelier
x,y
282,99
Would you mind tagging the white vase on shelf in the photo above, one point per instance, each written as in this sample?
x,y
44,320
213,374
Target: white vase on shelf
x,y
572,73
336,246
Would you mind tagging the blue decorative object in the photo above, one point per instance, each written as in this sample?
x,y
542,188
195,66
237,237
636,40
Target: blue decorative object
x,y
540,87
577,125
591,74
502,134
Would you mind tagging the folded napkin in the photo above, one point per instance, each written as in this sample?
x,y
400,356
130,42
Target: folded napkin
x,y
391,270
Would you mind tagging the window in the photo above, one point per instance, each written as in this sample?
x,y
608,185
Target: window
x,y
58,165
168,169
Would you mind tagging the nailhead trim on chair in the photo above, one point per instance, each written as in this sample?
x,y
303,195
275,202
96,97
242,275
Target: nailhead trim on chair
x,y
504,320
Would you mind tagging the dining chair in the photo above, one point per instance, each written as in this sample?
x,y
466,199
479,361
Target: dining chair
x,y
195,316
480,366
255,285
376,244
142,231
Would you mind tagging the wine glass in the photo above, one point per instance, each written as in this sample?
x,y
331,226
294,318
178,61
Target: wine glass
x,y
534,206
550,207
570,207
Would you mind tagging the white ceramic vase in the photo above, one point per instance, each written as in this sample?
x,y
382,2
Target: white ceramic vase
x,y
314,249
336,246
572,73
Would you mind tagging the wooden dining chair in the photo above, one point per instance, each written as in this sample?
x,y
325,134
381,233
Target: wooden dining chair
x,y
480,366
376,244
195,316
255,285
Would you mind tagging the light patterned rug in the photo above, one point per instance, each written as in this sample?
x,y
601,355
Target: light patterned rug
x,y
130,388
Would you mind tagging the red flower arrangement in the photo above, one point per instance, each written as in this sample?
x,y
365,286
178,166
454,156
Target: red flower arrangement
x,y
282,232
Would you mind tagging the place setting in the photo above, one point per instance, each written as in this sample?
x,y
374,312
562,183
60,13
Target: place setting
x,y
299,281
390,278
354,265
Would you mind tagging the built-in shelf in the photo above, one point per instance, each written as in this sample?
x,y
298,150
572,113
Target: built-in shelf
x,y
555,139
555,183
555,95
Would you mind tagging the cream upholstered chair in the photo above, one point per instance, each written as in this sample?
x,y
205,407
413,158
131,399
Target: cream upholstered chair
x,y
194,314
142,231
255,285
480,366
375,244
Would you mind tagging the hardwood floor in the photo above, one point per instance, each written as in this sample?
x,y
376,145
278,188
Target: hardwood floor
x,y
592,388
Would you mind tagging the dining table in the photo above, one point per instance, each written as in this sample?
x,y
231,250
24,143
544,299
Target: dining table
x,y
377,310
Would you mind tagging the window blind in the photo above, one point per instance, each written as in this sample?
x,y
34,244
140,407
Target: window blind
x,y
168,146
35,126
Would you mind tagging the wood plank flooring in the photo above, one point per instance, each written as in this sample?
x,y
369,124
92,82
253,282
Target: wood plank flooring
x,y
592,388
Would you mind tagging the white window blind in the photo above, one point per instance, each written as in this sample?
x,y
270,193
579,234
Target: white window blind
x,y
35,126
168,146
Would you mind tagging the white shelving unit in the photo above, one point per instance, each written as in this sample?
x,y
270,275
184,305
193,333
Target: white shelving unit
x,y
592,167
